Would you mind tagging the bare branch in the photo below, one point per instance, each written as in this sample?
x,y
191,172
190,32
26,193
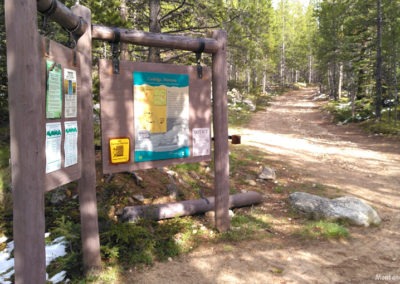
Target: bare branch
x,y
171,13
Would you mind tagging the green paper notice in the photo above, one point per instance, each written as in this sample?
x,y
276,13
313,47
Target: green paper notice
x,y
53,90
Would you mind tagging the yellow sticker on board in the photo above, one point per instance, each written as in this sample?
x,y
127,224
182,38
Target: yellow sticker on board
x,y
119,150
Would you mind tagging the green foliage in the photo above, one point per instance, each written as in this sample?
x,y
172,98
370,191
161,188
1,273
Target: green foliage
x,y
239,115
134,243
5,184
4,155
343,110
72,261
3,70
187,167
364,112
384,126
146,241
324,230
280,189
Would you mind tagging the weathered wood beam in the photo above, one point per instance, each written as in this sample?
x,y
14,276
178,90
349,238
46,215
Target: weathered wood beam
x,y
87,182
62,15
155,39
220,124
27,139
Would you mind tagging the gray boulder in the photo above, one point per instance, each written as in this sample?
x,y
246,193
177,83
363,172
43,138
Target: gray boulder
x,y
351,209
267,174
252,107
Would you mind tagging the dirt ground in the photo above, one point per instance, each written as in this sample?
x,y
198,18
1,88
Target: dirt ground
x,y
297,134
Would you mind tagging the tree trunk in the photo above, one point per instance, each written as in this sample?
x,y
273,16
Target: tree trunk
x,y
310,69
282,65
340,80
334,81
378,60
248,80
394,63
154,27
264,84
124,16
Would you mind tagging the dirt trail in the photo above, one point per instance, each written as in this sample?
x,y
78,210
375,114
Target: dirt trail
x,y
294,131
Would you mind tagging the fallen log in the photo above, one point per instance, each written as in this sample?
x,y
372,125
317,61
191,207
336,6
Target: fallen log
x,y
186,208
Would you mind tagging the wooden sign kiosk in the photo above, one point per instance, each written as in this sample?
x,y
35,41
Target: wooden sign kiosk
x,y
27,102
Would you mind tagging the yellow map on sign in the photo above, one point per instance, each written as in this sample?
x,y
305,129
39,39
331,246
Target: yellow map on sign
x,y
152,108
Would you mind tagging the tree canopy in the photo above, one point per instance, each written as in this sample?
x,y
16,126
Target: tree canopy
x,y
345,45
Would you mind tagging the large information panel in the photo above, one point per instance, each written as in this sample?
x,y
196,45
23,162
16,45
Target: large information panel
x,y
153,115
60,85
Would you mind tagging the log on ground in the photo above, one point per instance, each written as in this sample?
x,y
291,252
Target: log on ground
x,y
186,208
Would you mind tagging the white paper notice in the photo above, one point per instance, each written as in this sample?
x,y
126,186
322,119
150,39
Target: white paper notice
x,y
71,143
53,146
70,93
201,141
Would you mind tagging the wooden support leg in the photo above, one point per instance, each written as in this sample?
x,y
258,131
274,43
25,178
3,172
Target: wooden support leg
x,y
87,183
220,117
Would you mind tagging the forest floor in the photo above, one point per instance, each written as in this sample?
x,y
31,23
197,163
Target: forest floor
x,y
309,153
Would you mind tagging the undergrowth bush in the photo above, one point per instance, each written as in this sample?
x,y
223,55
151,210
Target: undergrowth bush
x,y
128,243
145,241
364,112
342,110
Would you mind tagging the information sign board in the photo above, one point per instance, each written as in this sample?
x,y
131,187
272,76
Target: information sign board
x,y
60,84
164,110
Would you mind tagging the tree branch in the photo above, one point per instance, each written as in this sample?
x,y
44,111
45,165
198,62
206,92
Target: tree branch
x,y
171,13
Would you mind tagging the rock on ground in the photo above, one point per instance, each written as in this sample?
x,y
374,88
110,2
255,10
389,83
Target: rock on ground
x,y
348,208
267,173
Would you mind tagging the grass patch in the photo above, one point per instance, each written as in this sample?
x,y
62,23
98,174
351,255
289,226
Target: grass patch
x,y
112,274
187,167
279,189
324,230
248,226
238,116
239,113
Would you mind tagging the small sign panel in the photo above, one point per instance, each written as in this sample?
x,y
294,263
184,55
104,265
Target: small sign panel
x,y
70,143
119,150
70,94
53,90
53,146
201,141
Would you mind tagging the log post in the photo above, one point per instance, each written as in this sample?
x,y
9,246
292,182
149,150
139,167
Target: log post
x,y
87,183
163,40
27,134
220,127
62,15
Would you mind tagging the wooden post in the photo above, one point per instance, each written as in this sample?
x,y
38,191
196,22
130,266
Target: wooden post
x,y
220,124
87,183
26,105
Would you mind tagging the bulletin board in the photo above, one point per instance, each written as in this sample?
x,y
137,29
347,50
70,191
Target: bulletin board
x,y
61,84
154,115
